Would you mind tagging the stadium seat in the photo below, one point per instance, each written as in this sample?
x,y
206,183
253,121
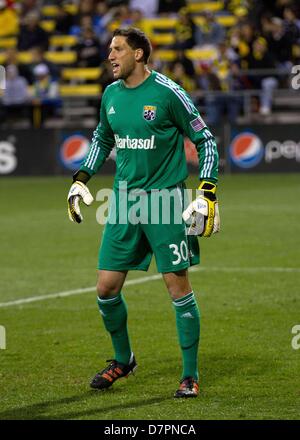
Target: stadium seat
x,y
80,90
79,73
162,39
64,41
205,6
7,43
48,25
25,57
164,55
224,20
71,8
201,54
160,23
49,11
64,57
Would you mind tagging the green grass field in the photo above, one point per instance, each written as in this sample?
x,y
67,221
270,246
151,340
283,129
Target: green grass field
x,y
248,288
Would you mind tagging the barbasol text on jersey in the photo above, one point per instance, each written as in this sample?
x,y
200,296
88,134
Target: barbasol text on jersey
x,y
134,143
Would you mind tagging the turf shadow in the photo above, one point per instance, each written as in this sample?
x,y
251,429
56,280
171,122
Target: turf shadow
x,y
38,411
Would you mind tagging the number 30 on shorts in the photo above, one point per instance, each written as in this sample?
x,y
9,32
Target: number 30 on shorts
x,y
181,252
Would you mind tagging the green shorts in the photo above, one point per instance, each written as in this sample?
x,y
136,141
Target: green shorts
x,y
141,224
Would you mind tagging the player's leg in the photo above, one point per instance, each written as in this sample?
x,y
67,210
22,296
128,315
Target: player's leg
x,y
113,309
122,248
174,252
188,329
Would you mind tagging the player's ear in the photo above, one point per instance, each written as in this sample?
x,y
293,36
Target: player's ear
x,y
139,53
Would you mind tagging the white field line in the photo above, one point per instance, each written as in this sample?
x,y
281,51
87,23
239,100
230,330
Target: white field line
x,y
142,280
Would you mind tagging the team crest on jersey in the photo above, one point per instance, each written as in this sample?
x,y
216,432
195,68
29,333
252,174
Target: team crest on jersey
x,y
149,112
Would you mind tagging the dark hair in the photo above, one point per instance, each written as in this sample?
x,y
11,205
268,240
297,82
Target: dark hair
x,y
136,40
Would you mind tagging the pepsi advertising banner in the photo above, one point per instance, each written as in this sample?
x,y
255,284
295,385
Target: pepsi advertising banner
x,y
265,148
46,152
242,149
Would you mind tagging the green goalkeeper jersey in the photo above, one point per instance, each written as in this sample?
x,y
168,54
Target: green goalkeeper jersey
x,y
147,125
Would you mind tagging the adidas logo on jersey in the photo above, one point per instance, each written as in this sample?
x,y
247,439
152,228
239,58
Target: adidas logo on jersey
x,y
187,315
111,111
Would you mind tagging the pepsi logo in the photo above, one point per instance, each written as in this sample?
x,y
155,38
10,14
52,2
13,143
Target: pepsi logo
x,y
73,151
246,150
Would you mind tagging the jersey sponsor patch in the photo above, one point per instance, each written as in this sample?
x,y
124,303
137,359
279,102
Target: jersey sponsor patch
x,y
197,124
149,112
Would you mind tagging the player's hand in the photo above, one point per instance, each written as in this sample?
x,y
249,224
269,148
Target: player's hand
x,y
203,213
78,191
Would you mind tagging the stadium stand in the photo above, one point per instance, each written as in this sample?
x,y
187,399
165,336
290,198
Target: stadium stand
x,y
242,51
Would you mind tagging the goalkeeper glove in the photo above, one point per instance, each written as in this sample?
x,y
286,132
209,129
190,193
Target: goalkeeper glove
x,y
203,213
78,191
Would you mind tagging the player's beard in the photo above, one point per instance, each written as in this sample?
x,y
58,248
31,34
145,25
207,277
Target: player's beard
x,y
125,71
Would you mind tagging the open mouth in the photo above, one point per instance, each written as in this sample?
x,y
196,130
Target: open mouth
x,y
115,67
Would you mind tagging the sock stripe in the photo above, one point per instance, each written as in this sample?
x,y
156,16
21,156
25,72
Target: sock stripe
x,y
184,300
108,300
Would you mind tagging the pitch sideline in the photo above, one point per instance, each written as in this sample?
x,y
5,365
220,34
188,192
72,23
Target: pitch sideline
x,y
144,280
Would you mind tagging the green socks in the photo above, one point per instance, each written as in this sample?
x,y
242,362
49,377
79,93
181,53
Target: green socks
x,y
114,314
188,329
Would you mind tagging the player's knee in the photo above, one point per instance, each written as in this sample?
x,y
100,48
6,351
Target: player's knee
x,y
106,289
177,284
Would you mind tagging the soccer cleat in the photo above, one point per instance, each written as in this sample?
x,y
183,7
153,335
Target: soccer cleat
x,y
115,370
188,388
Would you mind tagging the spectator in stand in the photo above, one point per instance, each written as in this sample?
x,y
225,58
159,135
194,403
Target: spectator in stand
x,y
84,17
170,6
31,34
38,57
27,6
15,95
9,24
292,24
137,18
211,32
86,7
85,22
222,75
279,43
208,81
247,36
187,63
64,21
148,8
106,76
177,73
88,50
11,57
275,8
15,92
123,15
103,16
261,58
45,95
185,30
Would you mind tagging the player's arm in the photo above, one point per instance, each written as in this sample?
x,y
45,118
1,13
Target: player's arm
x,y
100,148
188,120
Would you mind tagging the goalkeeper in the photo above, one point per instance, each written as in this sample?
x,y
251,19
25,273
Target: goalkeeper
x,y
145,115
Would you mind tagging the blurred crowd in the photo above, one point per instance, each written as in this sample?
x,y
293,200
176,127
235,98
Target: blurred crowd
x,y
257,52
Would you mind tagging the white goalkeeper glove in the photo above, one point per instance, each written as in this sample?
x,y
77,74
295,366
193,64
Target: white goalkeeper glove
x,y
203,213
78,191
